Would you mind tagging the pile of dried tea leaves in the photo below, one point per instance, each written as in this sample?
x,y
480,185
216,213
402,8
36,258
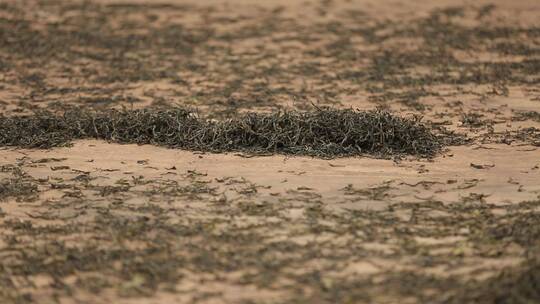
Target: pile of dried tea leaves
x,y
324,132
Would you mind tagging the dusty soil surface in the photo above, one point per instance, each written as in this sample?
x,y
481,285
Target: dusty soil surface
x,y
99,222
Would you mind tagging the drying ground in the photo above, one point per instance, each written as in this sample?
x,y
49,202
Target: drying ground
x,y
445,209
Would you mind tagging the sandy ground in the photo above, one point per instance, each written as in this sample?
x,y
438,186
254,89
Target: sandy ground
x,y
271,200
101,222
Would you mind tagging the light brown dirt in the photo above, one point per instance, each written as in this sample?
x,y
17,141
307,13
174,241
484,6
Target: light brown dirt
x,y
111,223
